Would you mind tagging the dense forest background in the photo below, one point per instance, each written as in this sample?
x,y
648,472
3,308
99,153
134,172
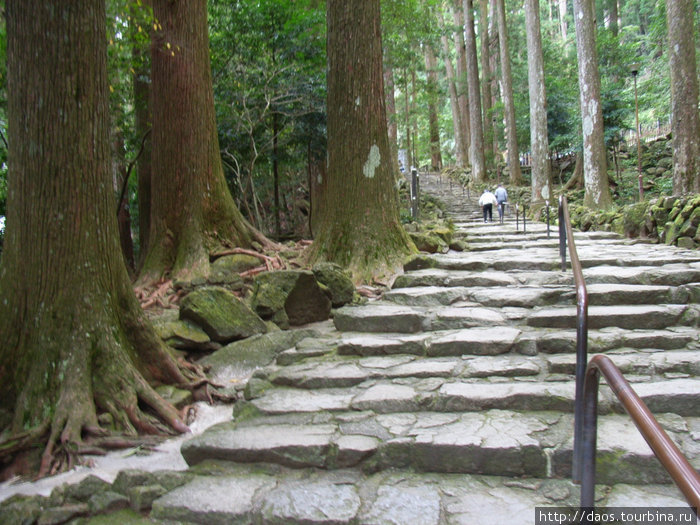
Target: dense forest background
x,y
269,74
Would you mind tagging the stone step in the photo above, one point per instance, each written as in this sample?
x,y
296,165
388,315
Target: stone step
x,y
543,258
419,391
346,371
532,296
672,275
504,339
490,442
222,492
622,316
388,317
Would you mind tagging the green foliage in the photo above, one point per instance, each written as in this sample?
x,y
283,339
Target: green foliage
x,y
268,64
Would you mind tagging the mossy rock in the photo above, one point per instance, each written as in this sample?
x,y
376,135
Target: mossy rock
x,y
339,286
184,335
634,217
236,263
427,242
221,314
686,242
175,396
291,294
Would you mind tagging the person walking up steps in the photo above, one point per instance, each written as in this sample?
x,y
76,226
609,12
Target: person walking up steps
x,y
502,198
486,201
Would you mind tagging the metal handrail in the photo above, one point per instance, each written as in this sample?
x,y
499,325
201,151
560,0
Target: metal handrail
x,y
565,231
680,470
586,402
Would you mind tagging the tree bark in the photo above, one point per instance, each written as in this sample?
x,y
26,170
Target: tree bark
x,y
358,225
563,24
509,106
75,340
490,140
476,147
539,138
192,212
457,116
595,172
432,93
685,123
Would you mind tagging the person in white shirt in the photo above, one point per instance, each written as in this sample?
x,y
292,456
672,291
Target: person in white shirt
x,y
486,201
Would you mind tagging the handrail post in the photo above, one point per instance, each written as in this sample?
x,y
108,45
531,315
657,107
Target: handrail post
x,y
547,206
524,218
562,233
590,434
517,218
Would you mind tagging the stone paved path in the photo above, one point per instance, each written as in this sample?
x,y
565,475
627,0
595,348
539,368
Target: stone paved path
x,y
449,400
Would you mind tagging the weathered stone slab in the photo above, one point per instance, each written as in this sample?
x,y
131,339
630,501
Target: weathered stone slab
x,y
379,318
426,295
505,366
321,375
452,318
525,297
679,396
387,397
402,504
462,396
213,500
675,275
474,341
286,400
311,503
622,316
285,444
439,277
615,294
380,344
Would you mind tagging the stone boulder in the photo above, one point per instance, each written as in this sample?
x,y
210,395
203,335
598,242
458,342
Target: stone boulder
x,y
338,284
290,298
221,314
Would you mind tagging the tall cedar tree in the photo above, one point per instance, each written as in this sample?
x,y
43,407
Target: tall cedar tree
x,y
595,174
476,146
539,141
432,93
75,341
684,97
508,103
192,211
357,219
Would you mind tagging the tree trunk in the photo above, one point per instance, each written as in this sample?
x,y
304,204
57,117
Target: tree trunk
x,y
476,147
595,171
509,106
75,340
432,93
358,225
490,141
563,23
685,123
391,114
192,212
457,116
142,123
407,121
539,138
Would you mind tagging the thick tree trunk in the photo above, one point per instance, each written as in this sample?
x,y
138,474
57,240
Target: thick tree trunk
x,y
476,147
509,106
595,171
461,152
539,138
432,92
75,340
685,123
192,212
490,141
358,223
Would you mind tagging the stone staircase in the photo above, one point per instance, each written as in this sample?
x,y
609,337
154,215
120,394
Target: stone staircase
x,y
450,400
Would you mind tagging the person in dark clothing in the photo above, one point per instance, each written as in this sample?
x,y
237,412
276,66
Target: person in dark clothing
x,y
486,201
501,198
